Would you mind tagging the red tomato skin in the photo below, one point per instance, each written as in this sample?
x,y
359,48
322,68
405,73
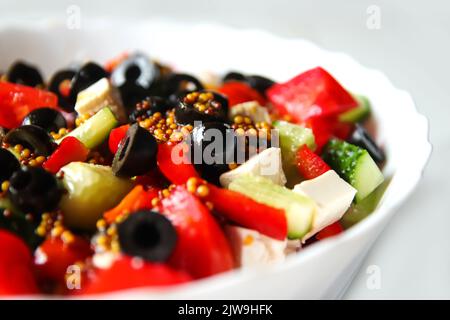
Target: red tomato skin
x,y
239,92
70,149
202,249
116,136
330,231
310,94
126,273
17,100
53,257
309,164
249,213
16,272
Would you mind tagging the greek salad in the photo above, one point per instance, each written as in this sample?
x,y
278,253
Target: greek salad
x,y
132,174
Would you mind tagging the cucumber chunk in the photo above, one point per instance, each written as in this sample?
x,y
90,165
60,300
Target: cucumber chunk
x,y
300,210
358,114
91,190
359,211
354,165
95,129
292,136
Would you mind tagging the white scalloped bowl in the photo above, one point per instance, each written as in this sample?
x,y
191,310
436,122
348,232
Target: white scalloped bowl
x,y
322,270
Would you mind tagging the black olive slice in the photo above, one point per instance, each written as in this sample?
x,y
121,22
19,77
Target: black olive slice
x,y
8,164
136,154
32,137
148,235
137,69
218,158
148,107
205,106
86,76
48,119
34,190
361,138
54,86
259,83
233,76
26,74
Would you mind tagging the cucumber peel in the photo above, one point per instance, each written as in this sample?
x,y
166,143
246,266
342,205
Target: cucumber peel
x,y
359,113
354,165
300,209
359,211
292,136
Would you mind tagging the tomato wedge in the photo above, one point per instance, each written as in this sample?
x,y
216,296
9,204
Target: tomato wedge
x,y
202,249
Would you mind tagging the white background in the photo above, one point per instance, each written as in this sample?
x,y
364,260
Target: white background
x,y
412,47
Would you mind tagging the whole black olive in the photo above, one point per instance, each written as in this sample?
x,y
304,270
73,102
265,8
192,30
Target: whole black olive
x,y
205,106
361,138
8,164
233,76
34,190
26,74
86,76
148,107
48,119
148,235
32,137
213,148
137,69
137,154
259,83
55,87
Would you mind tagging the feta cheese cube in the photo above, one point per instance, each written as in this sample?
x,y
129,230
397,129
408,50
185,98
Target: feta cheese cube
x,y
251,248
266,164
99,95
333,196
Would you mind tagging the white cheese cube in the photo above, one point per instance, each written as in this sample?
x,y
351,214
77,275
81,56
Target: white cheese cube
x,y
333,196
266,164
251,109
251,248
99,95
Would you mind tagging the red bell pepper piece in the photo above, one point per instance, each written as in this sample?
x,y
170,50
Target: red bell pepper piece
x,y
115,137
310,94
69,150
239,92
110,65
17,100
248,213
178,170
126,273
53,257
138,198
330,231
16,273
325,128
202,249
309,164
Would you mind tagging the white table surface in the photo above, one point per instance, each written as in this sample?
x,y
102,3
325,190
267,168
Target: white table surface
x,y
412,47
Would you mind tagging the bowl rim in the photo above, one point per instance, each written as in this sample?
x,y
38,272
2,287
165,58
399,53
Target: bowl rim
x,y
236,276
